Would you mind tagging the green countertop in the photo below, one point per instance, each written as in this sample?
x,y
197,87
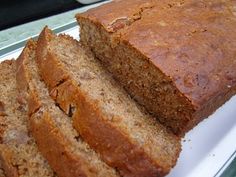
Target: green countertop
x,y
230,171
21,32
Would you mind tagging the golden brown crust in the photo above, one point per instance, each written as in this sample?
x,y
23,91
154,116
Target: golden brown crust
x,y
193,46
34,102
54,146
206,26
56,73
6,161
118,14
118,150
115,147
199,74
23,78
210,107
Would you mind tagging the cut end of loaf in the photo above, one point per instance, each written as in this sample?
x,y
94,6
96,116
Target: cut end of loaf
x,y
102,108
53,131
149,87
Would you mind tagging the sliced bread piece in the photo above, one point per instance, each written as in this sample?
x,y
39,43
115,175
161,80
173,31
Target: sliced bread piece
x,y
61,145
19,155
106,117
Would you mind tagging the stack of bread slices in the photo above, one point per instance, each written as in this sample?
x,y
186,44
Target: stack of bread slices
x,y
84,109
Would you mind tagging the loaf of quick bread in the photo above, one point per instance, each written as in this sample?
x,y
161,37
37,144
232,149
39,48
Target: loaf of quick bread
x,y
176,58
89,108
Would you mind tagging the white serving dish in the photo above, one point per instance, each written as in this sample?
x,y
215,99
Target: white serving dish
x,y
87,1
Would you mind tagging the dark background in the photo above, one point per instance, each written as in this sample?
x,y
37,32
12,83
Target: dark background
x,y
15,12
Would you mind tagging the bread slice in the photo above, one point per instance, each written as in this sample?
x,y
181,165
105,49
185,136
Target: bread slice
x,y
19,155
112,123
171,56
61,145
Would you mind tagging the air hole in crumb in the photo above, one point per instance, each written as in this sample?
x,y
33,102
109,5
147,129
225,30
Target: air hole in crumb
x,y
117,171
58,105
21,108
60,82
79,84
77,138
39,113
71,110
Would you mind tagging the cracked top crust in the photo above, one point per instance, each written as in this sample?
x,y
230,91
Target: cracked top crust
x,y
192,42
118,14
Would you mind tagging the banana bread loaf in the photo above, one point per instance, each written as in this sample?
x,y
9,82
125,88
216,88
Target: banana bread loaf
x,y
112,123
175,57
58,141
19,155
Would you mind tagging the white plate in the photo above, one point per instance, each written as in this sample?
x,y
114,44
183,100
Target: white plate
x,y
87,1
207,149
